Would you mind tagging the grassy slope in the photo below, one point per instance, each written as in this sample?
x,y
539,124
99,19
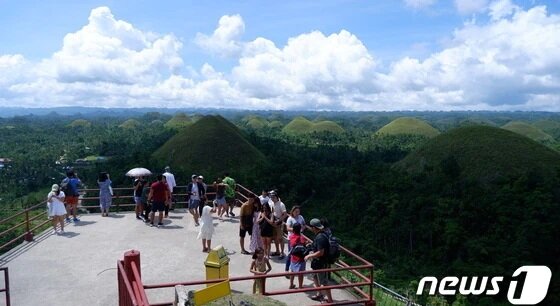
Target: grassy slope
x,y
551,127
300,126
408,125
527,130
211,145
484,152
179,121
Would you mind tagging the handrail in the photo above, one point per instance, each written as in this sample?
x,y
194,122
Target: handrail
x,y
129,299
6,288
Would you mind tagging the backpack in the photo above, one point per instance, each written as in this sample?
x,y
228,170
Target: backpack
x,y
334,249
64,186
299,250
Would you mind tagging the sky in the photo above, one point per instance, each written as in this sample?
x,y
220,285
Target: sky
x,y
341,55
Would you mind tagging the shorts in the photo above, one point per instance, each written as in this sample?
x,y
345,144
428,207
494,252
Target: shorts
x,y
322,278
243,233
158,206
72,200
230,201
220,201
193,203
297,266
277,233
138,201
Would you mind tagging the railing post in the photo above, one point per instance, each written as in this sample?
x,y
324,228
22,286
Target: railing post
x,y
131,257
28,234
371,301
7,286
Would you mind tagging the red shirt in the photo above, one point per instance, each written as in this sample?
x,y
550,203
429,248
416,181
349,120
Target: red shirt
x,y
159,190
295,240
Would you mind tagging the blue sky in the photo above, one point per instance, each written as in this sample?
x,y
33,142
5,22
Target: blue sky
x,y
351,55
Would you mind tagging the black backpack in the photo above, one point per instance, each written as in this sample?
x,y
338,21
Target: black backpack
x,y
334,249
299,250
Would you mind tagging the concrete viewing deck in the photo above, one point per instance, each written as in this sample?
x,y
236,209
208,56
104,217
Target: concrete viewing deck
x,y
79,267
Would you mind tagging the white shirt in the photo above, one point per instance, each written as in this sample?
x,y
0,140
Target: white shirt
x,y
277,208
54,199
195,195
292,221
264,199
170,178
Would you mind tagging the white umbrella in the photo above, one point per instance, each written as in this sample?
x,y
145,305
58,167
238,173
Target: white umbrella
x,y
136,172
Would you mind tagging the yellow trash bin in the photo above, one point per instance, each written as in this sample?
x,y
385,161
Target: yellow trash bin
x,y
217,264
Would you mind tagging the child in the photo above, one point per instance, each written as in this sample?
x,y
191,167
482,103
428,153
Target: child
x,y
56,210
259,266
207,228
297,263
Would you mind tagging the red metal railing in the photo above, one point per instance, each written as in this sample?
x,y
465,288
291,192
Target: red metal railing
x,y
366,298
6,284
28,223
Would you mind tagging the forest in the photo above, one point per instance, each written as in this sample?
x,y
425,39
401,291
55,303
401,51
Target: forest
x,y
434,193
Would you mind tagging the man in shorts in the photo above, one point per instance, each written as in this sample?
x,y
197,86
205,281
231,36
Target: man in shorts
x,y
139,184
246,221
70,185
319,259
170,179
280,214
230,192
195,193
159,195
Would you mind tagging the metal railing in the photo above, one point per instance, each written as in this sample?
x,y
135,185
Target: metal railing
x,y
6,288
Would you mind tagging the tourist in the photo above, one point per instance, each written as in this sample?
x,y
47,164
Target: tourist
x,y
220,200
266,221
200,180
230,192
195,191
256,239
246,221
297,259
70,186
319,259
260,266
264,198
139,184
294,218
159,194
170,180
105,193
56,210
279,210
207,227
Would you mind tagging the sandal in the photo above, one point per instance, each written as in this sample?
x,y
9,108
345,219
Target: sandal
x,y
292,286
245,252
318,297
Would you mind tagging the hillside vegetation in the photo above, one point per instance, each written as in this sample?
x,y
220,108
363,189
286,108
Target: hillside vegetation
x,y
408,126
179,121
528,130
302,126
211,146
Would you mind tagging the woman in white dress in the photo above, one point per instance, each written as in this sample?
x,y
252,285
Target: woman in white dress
x,y
256,239
206,227
56,210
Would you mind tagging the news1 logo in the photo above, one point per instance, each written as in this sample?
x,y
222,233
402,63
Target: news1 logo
x,y
528,286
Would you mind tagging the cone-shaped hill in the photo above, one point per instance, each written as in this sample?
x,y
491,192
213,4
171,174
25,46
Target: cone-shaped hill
x,y
210,147
179,121
301,126
80,123
528,130
130,124
483,153
408,126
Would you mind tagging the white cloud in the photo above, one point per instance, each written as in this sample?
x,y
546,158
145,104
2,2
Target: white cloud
x,y
418,4
470,6
509,62
224,40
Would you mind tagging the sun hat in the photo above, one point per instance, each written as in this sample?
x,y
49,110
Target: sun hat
x,y
316,223
54,188
201,177
194,176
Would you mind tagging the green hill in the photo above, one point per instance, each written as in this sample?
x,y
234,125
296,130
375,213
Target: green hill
x,y
327,126
301,126
80,123
528,130
483,153
210,146
275,124
179,121
551,127
476,121
256,123
408,126
130,124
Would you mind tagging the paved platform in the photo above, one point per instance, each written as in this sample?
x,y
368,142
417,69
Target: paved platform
x,y
79,268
